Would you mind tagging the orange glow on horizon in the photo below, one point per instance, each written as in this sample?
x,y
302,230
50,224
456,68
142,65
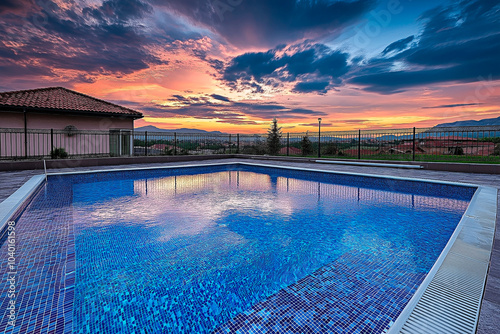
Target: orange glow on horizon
x,y
347,109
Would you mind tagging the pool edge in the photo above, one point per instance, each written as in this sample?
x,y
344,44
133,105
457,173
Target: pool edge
x,y
12,203
467,222
426,310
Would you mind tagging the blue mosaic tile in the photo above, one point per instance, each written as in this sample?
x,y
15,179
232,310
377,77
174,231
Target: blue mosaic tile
x,y
43,241
281,251
345,296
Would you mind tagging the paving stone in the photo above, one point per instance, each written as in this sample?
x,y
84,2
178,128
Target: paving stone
x,y
493,290
488,319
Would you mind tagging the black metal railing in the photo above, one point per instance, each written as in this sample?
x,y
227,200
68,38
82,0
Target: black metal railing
x,y
471,144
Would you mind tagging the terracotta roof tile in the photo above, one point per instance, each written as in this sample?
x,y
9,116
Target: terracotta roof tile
x,y
62,99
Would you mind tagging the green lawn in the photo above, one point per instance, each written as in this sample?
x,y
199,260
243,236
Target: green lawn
x,y
494,159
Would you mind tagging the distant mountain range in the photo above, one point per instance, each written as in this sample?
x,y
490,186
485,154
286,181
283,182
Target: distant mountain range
x,y
483,122
152,128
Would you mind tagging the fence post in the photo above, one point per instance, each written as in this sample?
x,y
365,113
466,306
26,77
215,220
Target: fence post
x,y
175,143
359,144
319,138
25,135
51,141
413,143
287,143
237,143
230,151
146,143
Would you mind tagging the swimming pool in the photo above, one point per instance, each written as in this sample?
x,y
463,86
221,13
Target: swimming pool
x,y
228,247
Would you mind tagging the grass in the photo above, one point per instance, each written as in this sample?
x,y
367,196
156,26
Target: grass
x,y
422,157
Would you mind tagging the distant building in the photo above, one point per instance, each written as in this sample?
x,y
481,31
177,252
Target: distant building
x,y
161,147
24,113
363,152
291,151
468,146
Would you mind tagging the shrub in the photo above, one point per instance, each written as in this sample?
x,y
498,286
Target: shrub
x,y
306,145
58,153
496,150
331,149
457,150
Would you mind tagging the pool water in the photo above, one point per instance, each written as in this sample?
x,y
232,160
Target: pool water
x,y
230,248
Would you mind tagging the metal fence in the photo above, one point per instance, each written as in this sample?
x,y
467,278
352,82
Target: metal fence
x,y
481,144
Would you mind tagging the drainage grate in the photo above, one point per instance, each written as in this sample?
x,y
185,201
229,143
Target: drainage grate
x,y
450,302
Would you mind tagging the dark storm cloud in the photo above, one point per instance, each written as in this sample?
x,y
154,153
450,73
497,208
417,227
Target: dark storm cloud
x,y
237,122
13,69
458,43
220,97
95,40
13,6
316,124
178,98
119,10
268,106
398,45
253,65
10,5
309,87
312,67
268,23
6,52
209,107
452,105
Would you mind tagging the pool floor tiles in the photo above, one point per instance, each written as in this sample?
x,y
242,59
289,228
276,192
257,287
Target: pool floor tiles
x,y
359,292
44,270
346,296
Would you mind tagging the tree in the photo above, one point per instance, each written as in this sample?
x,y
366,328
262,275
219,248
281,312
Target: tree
x,y
456,150
330,149
306,145
273,138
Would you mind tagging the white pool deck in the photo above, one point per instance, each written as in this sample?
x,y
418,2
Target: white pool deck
x,y
454,285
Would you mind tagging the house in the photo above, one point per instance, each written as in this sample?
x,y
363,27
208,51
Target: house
x,y
468,147
161,147
58,108
291,150
403,148
37,120
363,152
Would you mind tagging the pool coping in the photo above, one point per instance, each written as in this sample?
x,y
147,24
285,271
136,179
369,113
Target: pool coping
x,y
12,203
478,222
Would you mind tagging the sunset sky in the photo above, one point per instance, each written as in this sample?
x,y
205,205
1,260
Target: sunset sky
x,y
233,65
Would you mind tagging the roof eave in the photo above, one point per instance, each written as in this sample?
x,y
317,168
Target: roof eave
x,y
68,111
